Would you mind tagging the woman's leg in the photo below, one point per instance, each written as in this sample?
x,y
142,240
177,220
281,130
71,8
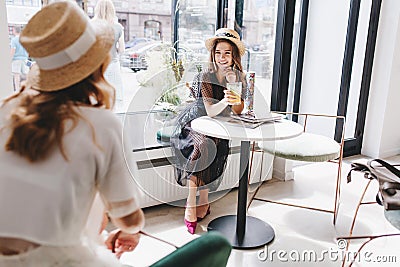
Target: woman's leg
x,y
190,211
203,206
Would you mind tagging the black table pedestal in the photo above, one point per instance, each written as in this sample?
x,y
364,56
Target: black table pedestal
x,y
241,230
257,232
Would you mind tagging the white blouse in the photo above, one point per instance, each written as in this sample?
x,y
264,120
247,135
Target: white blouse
x,y
48,202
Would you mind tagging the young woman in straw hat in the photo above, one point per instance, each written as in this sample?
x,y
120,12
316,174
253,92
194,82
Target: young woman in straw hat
x,y
200,160
60,145
105,10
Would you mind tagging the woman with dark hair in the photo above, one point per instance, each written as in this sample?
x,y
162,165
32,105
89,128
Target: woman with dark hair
x,y
60,145
200,160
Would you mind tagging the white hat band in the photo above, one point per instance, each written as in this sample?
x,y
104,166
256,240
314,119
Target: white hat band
x,y
70,54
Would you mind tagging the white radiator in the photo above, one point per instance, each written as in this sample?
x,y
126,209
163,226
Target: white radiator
x,y
156,177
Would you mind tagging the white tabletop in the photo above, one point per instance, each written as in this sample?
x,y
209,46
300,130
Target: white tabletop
x,y
221,127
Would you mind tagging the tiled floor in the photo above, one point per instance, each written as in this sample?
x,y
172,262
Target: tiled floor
x,y
303,237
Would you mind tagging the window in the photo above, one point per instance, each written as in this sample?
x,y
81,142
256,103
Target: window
x,y
258,33
196,20
35,3
152,29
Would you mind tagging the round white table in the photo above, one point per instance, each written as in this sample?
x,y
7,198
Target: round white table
x,y
241,230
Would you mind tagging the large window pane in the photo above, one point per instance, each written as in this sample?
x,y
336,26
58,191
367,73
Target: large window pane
x,y
196,23
323,60
149,23
259,23
358,62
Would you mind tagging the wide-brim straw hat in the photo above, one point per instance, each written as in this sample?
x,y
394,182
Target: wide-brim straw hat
x,y
66,46
229,34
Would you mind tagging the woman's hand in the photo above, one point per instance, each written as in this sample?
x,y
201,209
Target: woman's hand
x,y
123,243
232,98
229,74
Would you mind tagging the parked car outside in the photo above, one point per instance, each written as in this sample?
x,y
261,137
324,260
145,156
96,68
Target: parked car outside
x,y
135,57
136,41
196,45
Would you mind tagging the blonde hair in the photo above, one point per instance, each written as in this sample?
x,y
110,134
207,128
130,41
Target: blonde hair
x,y
105,10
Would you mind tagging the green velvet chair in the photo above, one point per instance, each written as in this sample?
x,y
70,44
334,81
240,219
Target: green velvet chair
x,y
209,250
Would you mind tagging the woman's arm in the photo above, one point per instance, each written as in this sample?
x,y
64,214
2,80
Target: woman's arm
x,y
229,99
237,109
215,109
121,242
131,223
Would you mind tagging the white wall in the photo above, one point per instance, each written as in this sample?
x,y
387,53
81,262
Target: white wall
x,y
382,134
323,57
6,87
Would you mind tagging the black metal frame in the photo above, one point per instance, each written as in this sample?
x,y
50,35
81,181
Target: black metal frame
x,y
300,58
347,66
222,14
239,16
282,57
175,23
352,146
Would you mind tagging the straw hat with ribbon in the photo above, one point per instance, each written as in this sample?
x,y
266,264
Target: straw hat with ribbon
x,y
231,35
66,46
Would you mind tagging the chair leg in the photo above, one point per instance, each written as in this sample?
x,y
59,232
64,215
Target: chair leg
x,y
339,174
249,177
351,237
337,192
360,202
336,197
369,237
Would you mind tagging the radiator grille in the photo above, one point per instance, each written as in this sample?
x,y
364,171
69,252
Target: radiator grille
x,y
159,184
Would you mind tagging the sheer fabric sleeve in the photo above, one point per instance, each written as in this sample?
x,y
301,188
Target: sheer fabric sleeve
x,y
206,89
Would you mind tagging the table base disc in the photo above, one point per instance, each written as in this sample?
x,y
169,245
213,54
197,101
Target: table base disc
x,y
258,233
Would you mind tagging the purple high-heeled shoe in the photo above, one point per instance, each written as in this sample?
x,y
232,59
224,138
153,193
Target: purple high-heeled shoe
x,y
207,212
191,226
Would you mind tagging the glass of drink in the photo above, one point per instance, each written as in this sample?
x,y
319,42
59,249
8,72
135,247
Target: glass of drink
x,y
236,89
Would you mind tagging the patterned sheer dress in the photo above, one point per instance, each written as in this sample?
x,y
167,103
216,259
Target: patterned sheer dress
x,y
195,154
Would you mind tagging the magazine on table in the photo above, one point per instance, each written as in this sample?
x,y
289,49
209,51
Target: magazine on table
x,y
250,125
251,118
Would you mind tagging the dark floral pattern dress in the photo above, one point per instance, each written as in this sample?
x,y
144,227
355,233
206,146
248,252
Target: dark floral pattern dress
x,y
196,154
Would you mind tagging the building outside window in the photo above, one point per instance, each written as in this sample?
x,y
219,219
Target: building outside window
x,y
152,20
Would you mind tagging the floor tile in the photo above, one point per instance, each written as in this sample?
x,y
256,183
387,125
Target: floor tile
x,y
303,237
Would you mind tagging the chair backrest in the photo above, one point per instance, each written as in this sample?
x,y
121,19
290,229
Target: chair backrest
x,y
208,250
